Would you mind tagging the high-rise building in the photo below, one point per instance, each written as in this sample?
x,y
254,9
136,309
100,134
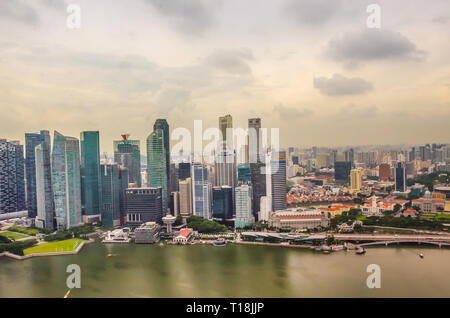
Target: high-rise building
x,y
225,169
124,182
244,173
222,204
342,171
143,205
322,160
244,213
258,179
156,164
12,173
278,169
45,214
112,193
254,146
384,172
173,180
349,156
201,191
164,126
184,170
175,203
355,180
31,141
127,153
185,197
66,181
400,177
224,123
91,181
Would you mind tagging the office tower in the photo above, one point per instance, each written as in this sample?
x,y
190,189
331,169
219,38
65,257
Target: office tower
x,y
201,191
45,214
91,181
266,200
244,213
156,164
258,179
184,170
342,171
164,126
384,172
127,153
349,156
356,180
222,204
66,181
112,186
175,203
295,160
278,169
173,180
400,178
185,197
333,157
124,182
254,146
412,154
31,141
322,160
225,169
143,205
224,123
12,173
244,173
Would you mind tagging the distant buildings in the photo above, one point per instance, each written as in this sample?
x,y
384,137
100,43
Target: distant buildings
x,y
201,191
143,205
355,180
12,184
244,173
428,204
400,178
384,172
91,187
66,181
342,171
244,213
127,153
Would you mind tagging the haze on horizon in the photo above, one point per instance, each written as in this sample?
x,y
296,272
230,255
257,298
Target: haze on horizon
x,y
310,67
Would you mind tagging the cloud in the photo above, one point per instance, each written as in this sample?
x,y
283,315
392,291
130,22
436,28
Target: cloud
x,y
287,113
191,17
231,61
339,85
18,11
312,12
372,44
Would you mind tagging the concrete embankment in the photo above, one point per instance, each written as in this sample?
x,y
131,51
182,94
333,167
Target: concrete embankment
x,y
19,257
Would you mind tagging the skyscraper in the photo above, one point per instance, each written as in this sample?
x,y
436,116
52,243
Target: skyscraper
x,y
244,213
224,123
384,172
244,173
254,145
225,169
44,190
12,183
127,153
91,185
222,204
164,126
355,180
201,191
185,197
156,164
66,181
400,178
184,170
31,141
342,171
143,205
259,184
278,169
112,187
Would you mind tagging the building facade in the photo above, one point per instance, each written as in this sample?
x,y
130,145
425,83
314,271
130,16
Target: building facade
x,y
156,164
143,205
45,218
244,212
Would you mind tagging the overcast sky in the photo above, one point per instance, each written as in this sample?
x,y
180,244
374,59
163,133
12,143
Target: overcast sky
x,y
310,67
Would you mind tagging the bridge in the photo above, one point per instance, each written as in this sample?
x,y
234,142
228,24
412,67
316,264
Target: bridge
x,y
387,239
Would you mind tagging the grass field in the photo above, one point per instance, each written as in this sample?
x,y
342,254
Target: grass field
x,y
361,217
13,235
60,246
24,230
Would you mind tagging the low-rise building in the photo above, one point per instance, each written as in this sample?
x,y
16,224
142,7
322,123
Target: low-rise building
x,y
376,206
428,204
298,219
147,233
184,236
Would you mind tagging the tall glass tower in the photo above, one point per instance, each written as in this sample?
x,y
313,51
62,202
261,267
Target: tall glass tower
x,y
156,164
91,194
201,191
31,141
164,126
66,181
12,183
44,190
127,153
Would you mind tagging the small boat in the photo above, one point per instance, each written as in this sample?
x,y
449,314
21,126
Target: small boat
x,y
421,255
161,244
326,252
360,250
219,242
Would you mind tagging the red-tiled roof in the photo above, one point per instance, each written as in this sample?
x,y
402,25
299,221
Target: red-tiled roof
x,y
184,232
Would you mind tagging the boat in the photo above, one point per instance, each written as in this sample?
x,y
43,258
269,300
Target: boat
x,y
219,242
421,255
360,250
109,255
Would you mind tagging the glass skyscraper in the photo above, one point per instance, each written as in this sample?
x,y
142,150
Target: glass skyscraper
x,y
222,206
113,189
91,195
201,191
278,166
127,153
156,164
244,213
66,181
164,126
31,141
244,173
44,189
12,183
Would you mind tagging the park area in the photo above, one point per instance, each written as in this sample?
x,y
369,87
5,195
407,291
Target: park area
x,y
13,235
52,247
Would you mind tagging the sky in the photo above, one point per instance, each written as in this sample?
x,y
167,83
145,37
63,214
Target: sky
x,y
311,68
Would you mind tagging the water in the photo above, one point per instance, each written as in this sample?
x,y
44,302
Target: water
x,y
229,271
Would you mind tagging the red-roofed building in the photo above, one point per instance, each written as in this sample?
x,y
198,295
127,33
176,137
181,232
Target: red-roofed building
x,y
184,236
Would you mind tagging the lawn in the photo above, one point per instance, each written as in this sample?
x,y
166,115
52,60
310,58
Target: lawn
x,y
361,217
59,246
24,230
13,235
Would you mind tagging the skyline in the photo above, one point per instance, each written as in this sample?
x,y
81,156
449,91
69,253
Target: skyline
x,y
315,71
